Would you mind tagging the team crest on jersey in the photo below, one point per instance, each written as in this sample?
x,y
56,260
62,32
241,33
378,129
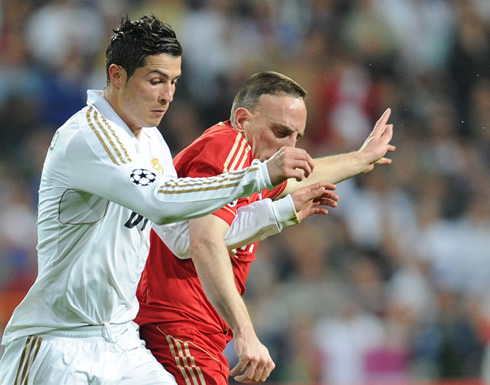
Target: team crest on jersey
x,y
233,204
142,177
156,165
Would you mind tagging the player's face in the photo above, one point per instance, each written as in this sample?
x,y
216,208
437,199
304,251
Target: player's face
x,y
145,97
276,121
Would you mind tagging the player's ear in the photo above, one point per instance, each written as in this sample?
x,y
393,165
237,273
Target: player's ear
x,y
117,75
241,117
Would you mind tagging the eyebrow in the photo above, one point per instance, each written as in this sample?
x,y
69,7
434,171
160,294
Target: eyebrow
x,y
163,74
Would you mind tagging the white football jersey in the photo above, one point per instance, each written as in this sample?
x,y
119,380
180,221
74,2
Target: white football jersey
x,y
101,187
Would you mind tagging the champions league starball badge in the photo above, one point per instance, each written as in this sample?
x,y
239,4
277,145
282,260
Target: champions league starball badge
x,y
142,177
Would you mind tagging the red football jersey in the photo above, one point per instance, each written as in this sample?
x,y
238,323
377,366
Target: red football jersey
x,y
169,290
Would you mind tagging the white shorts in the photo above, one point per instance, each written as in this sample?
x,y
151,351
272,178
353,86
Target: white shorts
x,y
95,355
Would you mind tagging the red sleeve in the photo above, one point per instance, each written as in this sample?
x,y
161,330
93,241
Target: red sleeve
x,y
219,149
276,192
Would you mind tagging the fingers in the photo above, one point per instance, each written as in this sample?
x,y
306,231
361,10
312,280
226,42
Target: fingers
x,y
240,366
251,374
320,196
323,193
384,161
324,201
311,165
387,134
301,171
330,195
302,167
322,188
299,161
320,211
329,186
256,371
289,162
380,124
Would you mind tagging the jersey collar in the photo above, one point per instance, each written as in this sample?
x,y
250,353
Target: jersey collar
x,y
95,98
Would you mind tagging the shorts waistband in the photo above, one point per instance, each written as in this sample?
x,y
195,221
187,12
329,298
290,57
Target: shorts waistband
x,y
110,332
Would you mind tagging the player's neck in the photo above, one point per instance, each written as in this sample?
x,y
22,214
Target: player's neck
x,y
112,99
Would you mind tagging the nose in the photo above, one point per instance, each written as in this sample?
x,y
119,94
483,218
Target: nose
x,y
167,94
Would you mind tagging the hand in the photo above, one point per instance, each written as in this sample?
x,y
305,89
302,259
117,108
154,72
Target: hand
x,y
307,200
254,359
289,162
377,144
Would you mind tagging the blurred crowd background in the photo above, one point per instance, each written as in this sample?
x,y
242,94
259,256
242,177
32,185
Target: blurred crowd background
x,y
394,284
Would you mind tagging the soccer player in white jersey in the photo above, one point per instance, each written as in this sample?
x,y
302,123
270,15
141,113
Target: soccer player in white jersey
x,y
108,172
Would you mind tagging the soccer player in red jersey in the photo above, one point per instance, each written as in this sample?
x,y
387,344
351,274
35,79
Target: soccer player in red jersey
x,y
190,300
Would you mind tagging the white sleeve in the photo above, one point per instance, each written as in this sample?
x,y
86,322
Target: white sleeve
x,y
162,199
260,220
252,223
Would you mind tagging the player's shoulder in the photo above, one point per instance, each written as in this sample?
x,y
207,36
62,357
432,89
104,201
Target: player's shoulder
x,y
218,145
91,133
70,130
85,121
223,141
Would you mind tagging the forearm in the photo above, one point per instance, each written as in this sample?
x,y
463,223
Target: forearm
x,y
336,168
260,220
212,262
253,223
160,198
332,169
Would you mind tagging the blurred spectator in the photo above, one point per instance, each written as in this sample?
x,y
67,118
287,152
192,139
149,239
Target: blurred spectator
x,y
344,340
60,27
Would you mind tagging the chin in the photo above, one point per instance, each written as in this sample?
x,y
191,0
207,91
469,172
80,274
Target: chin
x,y
153,123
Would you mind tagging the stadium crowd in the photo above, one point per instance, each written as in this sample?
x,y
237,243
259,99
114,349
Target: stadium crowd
x,y
393,284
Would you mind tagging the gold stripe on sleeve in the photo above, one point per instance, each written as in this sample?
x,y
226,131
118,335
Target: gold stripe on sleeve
x,y
198,182
193,190
171,187
231,176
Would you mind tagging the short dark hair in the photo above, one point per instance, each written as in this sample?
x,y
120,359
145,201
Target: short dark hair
x,y
134,40
265,83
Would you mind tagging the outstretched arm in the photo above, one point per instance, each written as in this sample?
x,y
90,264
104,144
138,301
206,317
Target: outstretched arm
x,y
264,218
258,220
336,168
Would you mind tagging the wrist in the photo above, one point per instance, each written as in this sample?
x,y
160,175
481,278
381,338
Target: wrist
x,y
243,329
269,183
362,161
285,212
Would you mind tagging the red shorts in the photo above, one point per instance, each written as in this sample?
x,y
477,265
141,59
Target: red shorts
x,y
192,361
